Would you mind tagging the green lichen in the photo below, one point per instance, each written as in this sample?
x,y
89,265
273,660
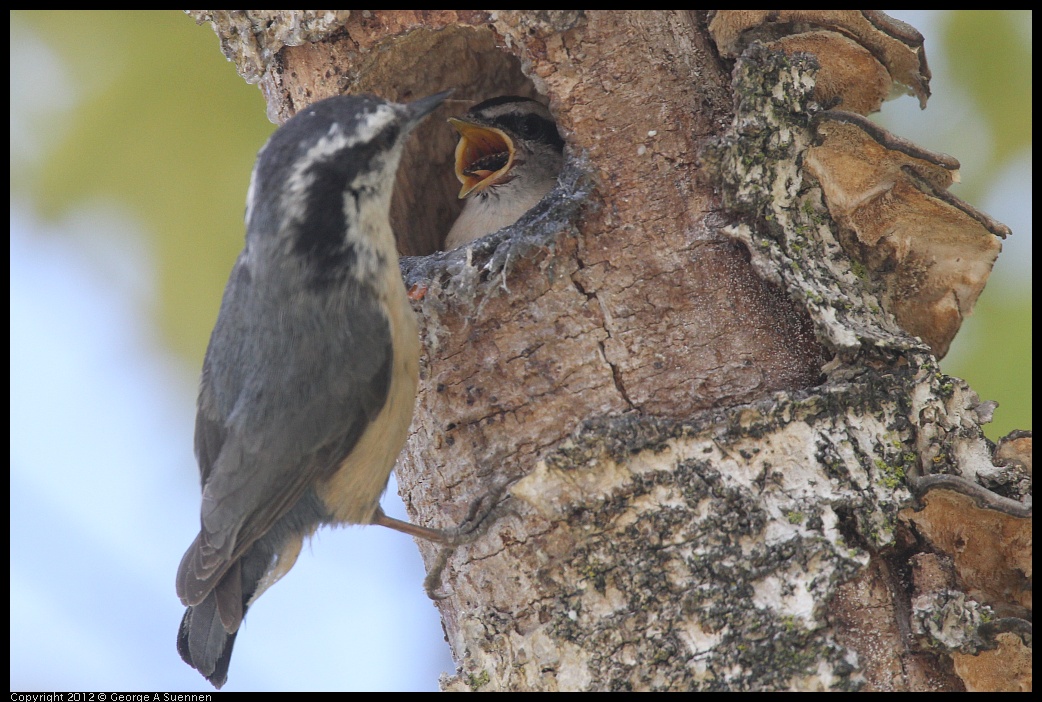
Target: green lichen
x,y
476,682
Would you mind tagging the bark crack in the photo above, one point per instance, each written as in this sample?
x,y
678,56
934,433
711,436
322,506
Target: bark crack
x,y
616,374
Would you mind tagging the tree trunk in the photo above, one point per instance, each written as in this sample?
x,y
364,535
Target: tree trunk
x,y
731,463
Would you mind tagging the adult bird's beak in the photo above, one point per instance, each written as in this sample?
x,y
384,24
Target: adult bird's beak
x,y
484,156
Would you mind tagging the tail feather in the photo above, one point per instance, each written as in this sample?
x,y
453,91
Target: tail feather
x,y
208,628
231,605
203,642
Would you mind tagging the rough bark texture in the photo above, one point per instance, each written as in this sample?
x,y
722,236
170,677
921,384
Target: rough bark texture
x,y
720,435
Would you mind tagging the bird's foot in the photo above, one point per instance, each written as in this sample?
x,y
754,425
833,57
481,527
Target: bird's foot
x,y
483,512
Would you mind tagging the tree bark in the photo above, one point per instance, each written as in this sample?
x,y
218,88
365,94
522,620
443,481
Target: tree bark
x,y
691,362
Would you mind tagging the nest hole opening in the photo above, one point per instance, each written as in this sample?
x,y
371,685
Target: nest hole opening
x,y
425,202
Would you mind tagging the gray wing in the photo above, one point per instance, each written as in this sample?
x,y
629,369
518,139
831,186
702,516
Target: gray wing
x,y
283,399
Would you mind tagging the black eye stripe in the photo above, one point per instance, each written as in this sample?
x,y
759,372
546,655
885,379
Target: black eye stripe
x,y
535,127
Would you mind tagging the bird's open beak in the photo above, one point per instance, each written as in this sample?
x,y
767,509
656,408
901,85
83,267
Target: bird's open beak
x,y
484,155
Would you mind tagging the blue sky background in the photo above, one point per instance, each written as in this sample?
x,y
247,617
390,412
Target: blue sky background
x,y
104,489
105,498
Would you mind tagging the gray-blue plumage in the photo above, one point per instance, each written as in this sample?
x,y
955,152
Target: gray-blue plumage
x,y
309,380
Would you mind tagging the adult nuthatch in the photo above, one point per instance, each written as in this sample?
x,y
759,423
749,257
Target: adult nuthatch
x,y
310,377
508,157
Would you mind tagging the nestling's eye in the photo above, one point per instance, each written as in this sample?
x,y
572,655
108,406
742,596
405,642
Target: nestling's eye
x,y
532,126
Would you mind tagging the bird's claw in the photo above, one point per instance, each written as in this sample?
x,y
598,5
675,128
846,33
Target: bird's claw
x,y
482,513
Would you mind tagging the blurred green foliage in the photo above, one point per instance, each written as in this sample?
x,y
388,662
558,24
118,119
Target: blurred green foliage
x,y
166,126
996,357
991,61
989,55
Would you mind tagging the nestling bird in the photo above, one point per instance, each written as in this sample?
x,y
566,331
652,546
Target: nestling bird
x,y
310,377
508,157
